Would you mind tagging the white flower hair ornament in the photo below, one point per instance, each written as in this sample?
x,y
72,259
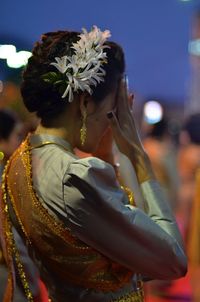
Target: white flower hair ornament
x,y
84,68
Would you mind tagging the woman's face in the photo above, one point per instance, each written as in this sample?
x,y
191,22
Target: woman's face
x,y
97,122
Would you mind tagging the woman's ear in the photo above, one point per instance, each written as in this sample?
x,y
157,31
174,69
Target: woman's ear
x,y
87,104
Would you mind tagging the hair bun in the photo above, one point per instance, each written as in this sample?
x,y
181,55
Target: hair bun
x,y
42,97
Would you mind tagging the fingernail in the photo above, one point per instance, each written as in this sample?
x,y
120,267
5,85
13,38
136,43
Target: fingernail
x,y
110,114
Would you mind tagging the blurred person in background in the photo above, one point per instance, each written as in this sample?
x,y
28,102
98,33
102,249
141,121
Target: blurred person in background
x,y
187,213
188,164
193,246
189,197
10,136
163,153
159,145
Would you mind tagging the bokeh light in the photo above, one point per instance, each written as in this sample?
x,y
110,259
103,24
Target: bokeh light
x,y
18,59
153,112
6,51
194,47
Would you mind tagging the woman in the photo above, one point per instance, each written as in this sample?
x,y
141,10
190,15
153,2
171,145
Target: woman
x,y
89,244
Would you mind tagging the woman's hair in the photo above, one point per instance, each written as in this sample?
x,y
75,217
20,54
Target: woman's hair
x,y
7,124
43,98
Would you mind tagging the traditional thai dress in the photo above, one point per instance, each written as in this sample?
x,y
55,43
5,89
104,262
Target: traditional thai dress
x,y
88,243
36,286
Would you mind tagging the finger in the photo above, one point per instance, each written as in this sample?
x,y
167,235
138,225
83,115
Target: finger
x,y
124,91
122,102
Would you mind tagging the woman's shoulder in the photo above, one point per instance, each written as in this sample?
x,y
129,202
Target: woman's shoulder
x,y
90,163
92,179
92,170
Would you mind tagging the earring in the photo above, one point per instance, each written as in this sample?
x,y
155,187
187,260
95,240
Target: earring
x,y
83,130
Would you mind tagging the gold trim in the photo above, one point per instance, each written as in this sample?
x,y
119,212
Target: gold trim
x,y
136,296
130,195
11,248
50,143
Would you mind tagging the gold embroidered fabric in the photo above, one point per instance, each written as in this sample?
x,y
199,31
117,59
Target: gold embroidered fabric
x,y
68,257
129,194
9,247
137,296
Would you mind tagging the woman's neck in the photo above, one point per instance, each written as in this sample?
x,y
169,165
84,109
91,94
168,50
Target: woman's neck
x,y
60,132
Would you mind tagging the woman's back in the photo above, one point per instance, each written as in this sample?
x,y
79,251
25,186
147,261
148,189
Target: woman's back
x,y
67,265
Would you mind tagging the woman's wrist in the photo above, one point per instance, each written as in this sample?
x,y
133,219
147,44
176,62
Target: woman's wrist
x,y
143,168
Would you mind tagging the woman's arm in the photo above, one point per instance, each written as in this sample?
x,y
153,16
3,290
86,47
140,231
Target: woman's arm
x,y
144,243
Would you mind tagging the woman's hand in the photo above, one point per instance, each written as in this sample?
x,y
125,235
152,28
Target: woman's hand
x,y
126,135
